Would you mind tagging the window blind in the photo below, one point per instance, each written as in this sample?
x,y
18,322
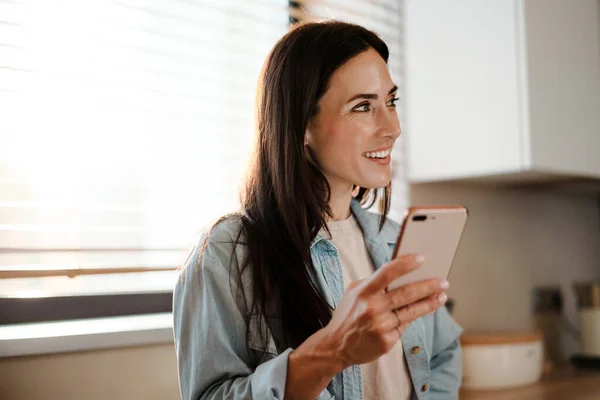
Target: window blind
x,y
125,126
384,17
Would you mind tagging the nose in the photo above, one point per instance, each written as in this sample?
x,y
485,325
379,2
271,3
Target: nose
x,y
389,125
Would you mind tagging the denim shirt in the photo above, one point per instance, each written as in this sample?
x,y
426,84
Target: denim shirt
x,y
210,331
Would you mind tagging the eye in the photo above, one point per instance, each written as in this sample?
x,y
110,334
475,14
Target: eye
x,y
364,107
392,102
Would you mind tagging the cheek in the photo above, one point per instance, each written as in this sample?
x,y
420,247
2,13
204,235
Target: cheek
x,y
340,145
338,151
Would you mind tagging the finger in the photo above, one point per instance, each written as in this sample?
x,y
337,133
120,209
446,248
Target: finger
x,y
354,284
392,337
421,308
392,270
396,332
382,323
413,292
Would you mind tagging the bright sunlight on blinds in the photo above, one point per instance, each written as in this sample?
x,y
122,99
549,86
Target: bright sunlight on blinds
x,y
125,127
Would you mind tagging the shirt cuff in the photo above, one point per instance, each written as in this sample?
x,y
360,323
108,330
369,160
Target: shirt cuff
x,y
269,378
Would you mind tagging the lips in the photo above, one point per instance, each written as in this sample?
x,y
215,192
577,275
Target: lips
x,y
381,161
378,154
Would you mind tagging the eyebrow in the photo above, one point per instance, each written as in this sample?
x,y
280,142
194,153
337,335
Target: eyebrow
x,y
370,96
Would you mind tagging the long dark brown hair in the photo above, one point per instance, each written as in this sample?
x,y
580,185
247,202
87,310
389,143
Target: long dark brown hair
x,y
285,199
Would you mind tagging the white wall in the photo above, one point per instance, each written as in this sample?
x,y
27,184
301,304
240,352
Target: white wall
x,y
515,239
145,372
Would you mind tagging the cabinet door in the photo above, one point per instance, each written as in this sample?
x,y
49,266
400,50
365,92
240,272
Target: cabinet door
x,y
563,69
463,96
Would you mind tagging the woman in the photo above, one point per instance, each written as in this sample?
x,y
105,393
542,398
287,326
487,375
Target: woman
x,y
287,298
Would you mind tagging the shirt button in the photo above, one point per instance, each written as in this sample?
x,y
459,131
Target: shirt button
x,y
424,388
415,350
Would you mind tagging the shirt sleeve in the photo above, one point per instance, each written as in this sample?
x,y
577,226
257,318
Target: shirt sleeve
x,y
210,339
446,358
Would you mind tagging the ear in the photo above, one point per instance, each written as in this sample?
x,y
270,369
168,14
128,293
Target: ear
x,y
307,152
307,136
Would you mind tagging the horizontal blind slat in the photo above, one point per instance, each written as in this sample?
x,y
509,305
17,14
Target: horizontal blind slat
x,y
88,285
178,238
197,13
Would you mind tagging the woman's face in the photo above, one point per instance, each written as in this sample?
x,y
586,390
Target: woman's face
x,y
352,135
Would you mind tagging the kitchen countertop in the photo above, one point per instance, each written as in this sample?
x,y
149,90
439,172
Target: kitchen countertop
x,y
569,384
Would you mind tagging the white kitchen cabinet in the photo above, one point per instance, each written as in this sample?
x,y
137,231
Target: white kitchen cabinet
x,y
502,88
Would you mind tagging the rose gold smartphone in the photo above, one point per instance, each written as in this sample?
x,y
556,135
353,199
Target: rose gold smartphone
x,y
433,232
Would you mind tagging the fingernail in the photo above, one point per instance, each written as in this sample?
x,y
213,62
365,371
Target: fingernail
x,y
442,298
420,258
444,284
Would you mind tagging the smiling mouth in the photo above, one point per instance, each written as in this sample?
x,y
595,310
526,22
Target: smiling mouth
x,y
378,154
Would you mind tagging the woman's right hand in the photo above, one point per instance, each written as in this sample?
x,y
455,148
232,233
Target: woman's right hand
x,y
369,320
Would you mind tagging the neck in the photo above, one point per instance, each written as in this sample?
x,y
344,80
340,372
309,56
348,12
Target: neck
x,y
341,196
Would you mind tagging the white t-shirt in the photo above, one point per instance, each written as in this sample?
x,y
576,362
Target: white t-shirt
x,y
386,378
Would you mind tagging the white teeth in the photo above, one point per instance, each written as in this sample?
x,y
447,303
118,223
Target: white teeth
x,y
378,154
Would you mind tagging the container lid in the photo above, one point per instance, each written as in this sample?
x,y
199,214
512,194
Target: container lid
x,y
499,337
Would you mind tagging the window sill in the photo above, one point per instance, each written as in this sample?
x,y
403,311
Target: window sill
x,y
85,334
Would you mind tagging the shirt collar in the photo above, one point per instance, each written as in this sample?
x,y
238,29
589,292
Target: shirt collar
x,y
369,223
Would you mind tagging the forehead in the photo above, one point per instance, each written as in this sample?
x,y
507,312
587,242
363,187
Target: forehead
x,y
364,73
